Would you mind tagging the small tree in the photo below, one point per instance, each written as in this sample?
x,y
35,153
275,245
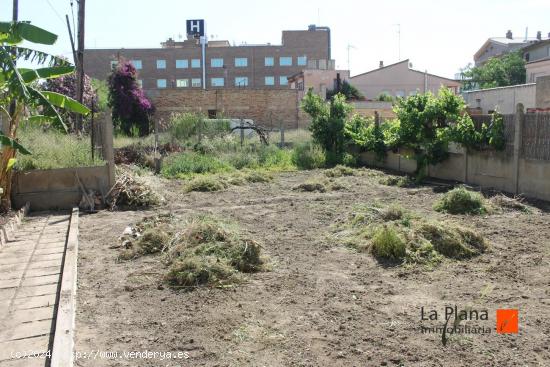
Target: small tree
x,y
328,122
348,90
126,98
19,95
496,72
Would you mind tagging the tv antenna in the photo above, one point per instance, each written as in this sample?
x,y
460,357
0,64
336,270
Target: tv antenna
x,y
398,41
349,48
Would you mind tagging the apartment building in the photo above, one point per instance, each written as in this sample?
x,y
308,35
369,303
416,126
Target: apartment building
x,y
179,64
497,46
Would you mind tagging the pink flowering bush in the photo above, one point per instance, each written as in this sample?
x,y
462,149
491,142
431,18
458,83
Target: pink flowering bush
x,y
129,104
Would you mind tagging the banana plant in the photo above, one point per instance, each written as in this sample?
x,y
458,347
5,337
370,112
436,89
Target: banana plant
x,y
19,96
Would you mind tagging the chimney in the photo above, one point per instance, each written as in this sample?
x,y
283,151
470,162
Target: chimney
x,y
381,64
539,35
509,34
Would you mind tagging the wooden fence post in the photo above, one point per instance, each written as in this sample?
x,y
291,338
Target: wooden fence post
x,y
518,134
107,146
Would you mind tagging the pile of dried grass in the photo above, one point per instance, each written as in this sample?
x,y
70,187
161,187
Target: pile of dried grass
x,y
129,192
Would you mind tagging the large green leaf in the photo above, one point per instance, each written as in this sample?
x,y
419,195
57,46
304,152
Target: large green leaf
x,y
49,109
4,140
35,34
62,101
40,119
30,75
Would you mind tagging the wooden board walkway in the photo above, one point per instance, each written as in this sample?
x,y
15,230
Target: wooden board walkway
x,y
30,277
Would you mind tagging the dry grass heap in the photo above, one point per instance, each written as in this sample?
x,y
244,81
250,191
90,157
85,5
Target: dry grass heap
x,y
129,192
395,235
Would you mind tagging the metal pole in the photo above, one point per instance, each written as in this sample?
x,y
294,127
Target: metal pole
x,y
203,47
75,57
80,53
91,122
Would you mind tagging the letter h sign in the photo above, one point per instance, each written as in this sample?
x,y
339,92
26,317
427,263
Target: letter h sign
x,y
195,27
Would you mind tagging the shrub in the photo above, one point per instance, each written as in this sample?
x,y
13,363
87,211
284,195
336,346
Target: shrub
x,y
399,181
461,201
189,163
184,125
130,106
308,156
388,244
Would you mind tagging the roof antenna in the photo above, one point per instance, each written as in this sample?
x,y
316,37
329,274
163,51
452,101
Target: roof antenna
x,y
526,33
318,16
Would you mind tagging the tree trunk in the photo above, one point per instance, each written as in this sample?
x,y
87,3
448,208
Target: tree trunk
x,y
7,154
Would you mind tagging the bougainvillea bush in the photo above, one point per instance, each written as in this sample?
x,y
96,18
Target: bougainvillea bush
x,y
131,108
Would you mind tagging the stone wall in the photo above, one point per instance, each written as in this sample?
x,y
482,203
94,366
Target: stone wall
x,y
269,108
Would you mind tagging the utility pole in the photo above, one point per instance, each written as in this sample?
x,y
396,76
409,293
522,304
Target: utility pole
x,y
75,57
80,59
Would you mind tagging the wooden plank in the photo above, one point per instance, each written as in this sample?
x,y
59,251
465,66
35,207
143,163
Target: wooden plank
x,y
26,330
38,345
52,270
33,302
44,264
36,290
34,314
24,362
63,345
45,279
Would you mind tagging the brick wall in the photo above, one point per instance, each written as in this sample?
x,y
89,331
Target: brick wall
x,y
266,107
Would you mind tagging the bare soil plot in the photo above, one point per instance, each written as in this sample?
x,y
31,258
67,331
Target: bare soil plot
x,y
322,303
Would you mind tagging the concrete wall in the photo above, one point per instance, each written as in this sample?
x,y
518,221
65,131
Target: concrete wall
x,y
57,188
504,99
398,78
367,108
266,107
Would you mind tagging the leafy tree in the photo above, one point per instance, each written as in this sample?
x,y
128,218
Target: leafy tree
x,y
367,134
126,98
384,97
328,121
348,90
19,94
496,72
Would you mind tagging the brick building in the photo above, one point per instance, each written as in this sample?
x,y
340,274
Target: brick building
x,y
179,64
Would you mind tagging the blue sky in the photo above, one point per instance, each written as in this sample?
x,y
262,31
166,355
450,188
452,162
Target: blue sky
x,y
438,36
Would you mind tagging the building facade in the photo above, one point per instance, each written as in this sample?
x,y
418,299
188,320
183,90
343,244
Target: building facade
x,y
537,60
400,80
497,46
179,64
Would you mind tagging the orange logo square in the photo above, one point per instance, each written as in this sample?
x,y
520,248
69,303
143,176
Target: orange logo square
x,y
507,321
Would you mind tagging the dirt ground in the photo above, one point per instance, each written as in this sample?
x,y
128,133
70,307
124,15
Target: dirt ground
x,y
322,303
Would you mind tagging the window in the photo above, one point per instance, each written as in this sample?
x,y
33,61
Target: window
x,y
182,83
196,63
269,80
285,61
241,81
114,64
196,82
137,64
241,62
161,83
216,82
216,63
161,64
300,85
269,61
283,80
182,64
140,83
301,60
212,114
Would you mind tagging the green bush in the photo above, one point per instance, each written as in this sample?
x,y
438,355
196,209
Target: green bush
x,y
388,244
461,201
308,156
183,126
186,163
